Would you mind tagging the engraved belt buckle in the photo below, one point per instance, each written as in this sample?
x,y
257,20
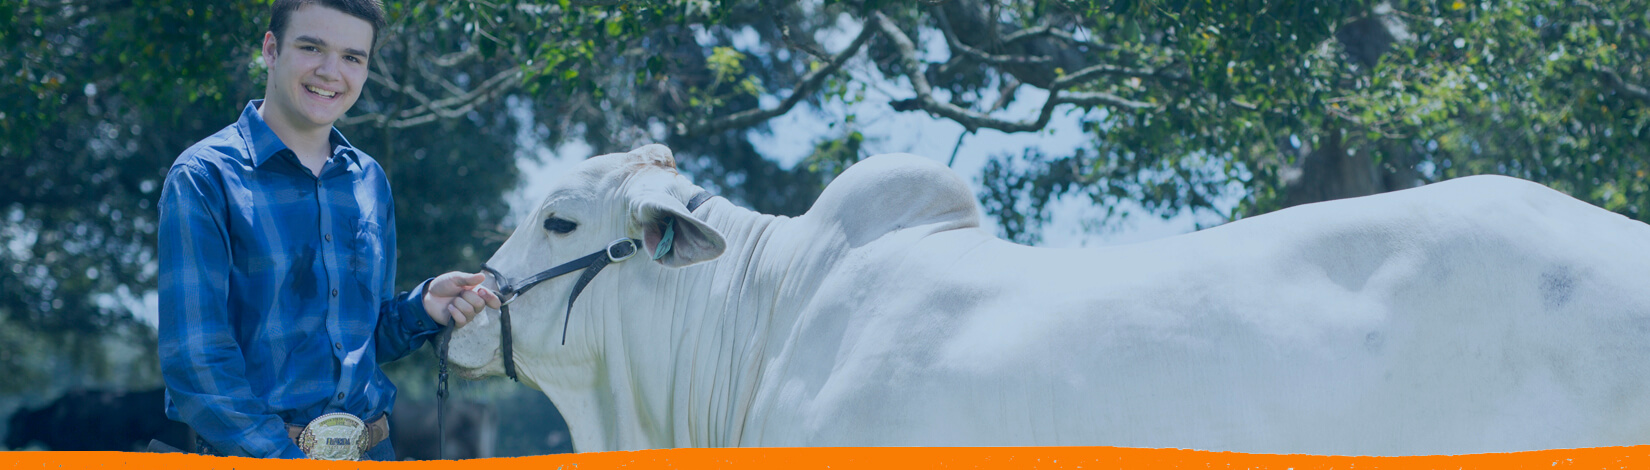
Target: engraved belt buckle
x,y
334,436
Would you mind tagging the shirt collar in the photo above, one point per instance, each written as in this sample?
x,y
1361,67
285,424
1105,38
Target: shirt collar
x,y
265,144
341,146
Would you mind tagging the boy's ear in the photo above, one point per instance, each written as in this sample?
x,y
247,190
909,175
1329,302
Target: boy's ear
x,y
271,47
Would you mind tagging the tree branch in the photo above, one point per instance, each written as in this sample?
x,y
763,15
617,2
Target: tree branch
x,y
439,80
1072,38
450,107
785,34
783,21
915,71
803,88
1614,81
449,60
1095,98
1046,30
1026,33
1089,73
972,120
1005,93
994,59
389,83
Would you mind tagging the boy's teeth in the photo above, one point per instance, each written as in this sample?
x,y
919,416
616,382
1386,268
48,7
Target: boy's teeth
x,y
321,92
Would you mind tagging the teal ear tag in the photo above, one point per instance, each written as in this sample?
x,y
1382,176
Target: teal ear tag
x,y
666,241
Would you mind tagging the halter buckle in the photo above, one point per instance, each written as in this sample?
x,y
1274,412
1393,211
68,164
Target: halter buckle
x,y
621,249
506,292
511,298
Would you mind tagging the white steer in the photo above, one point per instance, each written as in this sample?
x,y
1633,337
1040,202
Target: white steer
x,y
1483,314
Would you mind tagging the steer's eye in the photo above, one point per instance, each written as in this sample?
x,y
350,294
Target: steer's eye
x,y
559,225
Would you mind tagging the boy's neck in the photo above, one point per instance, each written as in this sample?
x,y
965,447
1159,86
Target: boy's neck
x,y
313,146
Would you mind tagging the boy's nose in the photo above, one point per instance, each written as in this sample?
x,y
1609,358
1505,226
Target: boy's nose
x,y
328,68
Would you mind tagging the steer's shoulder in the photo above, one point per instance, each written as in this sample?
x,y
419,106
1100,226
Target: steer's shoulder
x,y
890,192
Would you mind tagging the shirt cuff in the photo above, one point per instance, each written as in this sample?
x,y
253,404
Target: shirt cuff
x,y
414,320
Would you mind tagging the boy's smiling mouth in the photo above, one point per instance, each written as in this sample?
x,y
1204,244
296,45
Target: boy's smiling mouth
x,y
322,93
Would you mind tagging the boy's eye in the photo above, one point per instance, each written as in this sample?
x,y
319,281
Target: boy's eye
x,y
559,225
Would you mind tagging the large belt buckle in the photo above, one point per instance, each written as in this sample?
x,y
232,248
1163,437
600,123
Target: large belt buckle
x,y
334,436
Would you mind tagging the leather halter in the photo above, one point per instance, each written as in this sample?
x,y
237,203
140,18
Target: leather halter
x,y
619,250
591,264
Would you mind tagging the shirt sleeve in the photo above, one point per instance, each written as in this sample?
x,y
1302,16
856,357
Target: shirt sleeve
x,y
201,362
403,325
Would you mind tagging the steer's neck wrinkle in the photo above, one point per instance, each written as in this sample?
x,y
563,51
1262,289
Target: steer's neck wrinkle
x,y
723,309
691,346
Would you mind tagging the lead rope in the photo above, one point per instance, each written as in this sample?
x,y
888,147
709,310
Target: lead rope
x,y
596,266
506,338
441,395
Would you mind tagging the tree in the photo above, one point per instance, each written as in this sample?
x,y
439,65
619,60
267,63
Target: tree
x,y
92,117
1270,103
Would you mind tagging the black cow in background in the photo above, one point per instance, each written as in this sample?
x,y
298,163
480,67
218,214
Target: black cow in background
x,y
472,430
90,420
111,420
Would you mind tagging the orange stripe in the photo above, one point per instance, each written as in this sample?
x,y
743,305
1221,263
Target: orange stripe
x,y
852,458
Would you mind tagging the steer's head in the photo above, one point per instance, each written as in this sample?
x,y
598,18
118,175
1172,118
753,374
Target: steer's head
x,y
634,195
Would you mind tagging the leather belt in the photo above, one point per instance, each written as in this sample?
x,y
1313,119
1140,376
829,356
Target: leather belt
x,y
376,431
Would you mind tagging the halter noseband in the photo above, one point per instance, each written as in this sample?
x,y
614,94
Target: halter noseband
x,y
619,250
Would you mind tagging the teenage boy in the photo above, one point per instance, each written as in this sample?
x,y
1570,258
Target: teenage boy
x,y
277,261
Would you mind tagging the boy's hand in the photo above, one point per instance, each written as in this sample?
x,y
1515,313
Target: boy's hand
x,y
456,297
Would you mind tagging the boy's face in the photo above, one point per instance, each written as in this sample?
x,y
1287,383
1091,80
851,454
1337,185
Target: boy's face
x,y
317,70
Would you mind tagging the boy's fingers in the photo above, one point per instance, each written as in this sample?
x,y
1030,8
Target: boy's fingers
x,y
457,317
466,302
492,299
454,282
471,300
445,285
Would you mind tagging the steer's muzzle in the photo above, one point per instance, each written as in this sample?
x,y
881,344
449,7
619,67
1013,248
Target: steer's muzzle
x,y
473,349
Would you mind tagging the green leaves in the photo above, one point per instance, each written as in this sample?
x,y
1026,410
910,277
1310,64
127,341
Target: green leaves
x,y
724,62
1521,88
97,101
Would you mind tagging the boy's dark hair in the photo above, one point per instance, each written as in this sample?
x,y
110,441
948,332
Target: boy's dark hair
x,y
371,11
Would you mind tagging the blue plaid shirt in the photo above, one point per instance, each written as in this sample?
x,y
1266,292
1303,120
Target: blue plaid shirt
x,y
277,289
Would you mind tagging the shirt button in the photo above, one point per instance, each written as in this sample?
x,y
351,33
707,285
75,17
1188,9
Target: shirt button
x,y
327,237
335,292
340,395
337,345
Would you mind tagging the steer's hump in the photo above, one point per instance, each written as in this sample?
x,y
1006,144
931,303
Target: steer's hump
x,y
891,192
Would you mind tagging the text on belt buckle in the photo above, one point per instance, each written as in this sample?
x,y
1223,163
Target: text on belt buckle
x,y
334,436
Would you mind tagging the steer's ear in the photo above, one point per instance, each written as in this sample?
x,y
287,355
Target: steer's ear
x,y
686,239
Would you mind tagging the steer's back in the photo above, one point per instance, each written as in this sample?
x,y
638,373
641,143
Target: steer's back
x,y
1484,314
